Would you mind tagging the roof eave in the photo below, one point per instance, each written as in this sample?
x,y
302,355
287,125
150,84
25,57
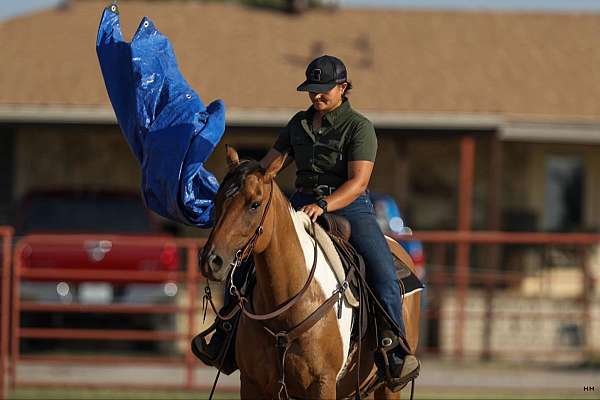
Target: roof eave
x,y
248,117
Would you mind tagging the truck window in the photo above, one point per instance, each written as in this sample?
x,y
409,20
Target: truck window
x,y
99,214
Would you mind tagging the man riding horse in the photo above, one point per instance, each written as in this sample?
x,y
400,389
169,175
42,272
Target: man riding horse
x,y
334,148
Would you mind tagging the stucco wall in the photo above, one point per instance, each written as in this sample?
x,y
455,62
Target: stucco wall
x,y
53,157
550,329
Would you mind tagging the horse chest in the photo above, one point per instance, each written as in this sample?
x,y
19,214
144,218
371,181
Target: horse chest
x,y
308,359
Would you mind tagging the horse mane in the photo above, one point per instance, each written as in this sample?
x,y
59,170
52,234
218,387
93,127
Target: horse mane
x,y
233,181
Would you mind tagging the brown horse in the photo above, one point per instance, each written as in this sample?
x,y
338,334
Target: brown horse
x,y
250,208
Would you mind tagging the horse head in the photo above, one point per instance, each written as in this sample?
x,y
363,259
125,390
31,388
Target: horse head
x,y
243,216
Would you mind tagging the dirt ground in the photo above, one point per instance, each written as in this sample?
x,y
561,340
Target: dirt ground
x,y
437,376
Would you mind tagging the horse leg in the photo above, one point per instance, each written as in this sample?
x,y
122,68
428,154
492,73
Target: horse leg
x,y
249,390
383,393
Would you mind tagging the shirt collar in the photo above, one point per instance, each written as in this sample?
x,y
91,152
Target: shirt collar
x,y
334,116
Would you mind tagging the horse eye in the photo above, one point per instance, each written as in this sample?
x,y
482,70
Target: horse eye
x,y
254,206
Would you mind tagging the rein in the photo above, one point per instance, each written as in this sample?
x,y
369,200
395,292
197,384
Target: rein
x,y
283,338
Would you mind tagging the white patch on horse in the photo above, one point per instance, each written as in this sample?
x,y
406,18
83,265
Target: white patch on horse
x,y
328,283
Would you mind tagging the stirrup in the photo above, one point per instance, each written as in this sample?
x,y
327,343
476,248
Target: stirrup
x,y
199,346
223,356
390,343
397,384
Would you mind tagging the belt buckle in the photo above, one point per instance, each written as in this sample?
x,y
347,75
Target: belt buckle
x,y
322,190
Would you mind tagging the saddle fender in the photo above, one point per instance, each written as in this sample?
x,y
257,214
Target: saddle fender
x,y
401,254
411,304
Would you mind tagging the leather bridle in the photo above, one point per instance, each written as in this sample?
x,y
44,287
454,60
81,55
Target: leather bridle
x,y
242,255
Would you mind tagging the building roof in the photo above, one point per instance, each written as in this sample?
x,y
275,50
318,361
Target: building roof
x,y
522,66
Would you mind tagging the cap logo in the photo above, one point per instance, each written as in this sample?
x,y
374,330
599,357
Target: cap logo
x,y
315,75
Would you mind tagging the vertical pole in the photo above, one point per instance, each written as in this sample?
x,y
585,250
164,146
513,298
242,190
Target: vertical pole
x,y
6,234
493,253
438,273
588,289
466,178
16,316
192,284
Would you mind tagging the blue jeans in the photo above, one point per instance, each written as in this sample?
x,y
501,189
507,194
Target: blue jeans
x,y
370,243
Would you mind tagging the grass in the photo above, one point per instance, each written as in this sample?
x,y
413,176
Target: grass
x,y
504,396
101,394
109,394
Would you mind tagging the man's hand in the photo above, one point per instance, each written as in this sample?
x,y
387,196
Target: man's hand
x,y
313,211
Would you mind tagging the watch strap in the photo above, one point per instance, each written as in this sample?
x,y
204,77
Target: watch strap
x,y
322,203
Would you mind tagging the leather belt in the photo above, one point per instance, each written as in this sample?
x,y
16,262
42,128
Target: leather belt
x,y
322,190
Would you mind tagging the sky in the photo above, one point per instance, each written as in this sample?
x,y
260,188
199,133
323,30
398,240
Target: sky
x,y
10,8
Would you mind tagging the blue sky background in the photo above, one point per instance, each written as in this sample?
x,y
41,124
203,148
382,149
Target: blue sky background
x,y
10,8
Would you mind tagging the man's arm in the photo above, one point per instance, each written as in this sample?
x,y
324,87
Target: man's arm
x,y
359,174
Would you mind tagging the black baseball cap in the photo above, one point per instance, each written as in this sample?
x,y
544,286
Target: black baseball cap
x,y
323,73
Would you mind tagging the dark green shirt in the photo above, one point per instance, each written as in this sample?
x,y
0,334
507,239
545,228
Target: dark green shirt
x,y
322,155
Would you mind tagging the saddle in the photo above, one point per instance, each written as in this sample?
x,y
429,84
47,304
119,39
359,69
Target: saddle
x,y
335,225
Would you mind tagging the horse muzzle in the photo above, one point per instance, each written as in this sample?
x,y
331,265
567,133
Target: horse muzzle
x,y
212,265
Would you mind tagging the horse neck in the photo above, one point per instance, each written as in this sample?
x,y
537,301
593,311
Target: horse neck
x,y
281,268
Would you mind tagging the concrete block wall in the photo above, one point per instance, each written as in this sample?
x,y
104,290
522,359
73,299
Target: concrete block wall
x,y
523,328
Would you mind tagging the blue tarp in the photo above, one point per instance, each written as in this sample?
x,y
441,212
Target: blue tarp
x,y
165,122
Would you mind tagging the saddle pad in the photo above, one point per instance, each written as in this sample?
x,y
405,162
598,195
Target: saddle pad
x,y
333,258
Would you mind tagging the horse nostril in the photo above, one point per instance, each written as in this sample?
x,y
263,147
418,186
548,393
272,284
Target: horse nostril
x,y
215,261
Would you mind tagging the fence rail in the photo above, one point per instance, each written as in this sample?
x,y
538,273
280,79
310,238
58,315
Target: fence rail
x,y
451,272
187,277
459,290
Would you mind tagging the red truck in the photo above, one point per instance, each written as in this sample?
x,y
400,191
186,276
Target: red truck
x,y
101,240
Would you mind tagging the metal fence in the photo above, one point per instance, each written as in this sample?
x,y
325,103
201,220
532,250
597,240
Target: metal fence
x,y
187,277
480,285
505,295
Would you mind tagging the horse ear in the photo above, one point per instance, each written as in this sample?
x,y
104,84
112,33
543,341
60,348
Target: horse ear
x,y
233,160
275,166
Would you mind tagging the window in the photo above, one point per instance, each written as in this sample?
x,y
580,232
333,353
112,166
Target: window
x,y
7,145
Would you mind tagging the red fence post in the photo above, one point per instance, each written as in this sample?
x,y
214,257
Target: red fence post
x,y
6,233
588,289
192,282
16,315
465,206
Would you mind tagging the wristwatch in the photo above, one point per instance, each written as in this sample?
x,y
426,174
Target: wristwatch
x,y
322,203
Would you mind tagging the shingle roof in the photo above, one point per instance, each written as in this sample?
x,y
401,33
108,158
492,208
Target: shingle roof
x,y
522,65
